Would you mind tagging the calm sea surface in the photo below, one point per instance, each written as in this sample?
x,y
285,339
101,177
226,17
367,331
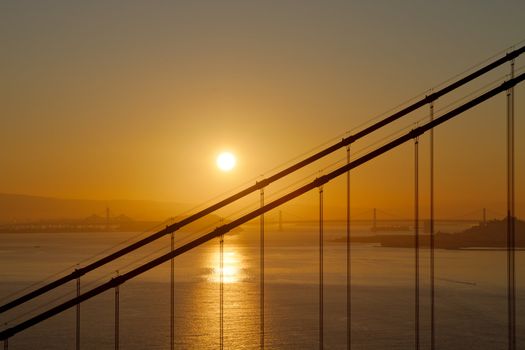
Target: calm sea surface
x,y
470,294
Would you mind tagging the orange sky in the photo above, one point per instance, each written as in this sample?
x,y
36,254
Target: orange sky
x,y
134,101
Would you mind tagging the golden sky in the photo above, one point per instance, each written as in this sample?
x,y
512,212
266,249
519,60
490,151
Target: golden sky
x,y
134,100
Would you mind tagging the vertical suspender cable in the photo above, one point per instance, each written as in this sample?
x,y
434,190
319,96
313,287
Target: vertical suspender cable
x,y
261,282
77,335
348,260
321,268
511,288
117,297
221,288
416,237
172,296
432,277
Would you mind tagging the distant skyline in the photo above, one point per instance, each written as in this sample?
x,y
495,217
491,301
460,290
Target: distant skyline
x,y
134,100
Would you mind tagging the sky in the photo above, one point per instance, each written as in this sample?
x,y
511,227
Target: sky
x,y
135,99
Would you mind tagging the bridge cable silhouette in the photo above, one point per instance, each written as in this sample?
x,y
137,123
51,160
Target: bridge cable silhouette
x,y
221,291
321,270
416,240
317,183
263,183
117,316
348,259
509,85
261,271
172,294
511,238
432,256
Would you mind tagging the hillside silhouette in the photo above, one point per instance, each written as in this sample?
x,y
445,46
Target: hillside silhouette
x,y
493,234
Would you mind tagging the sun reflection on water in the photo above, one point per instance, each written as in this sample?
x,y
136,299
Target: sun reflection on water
x,y
232,268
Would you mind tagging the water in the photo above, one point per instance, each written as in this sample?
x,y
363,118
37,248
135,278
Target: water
x,y
470,294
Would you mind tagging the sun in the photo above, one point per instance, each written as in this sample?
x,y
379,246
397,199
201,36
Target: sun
x,y
226,161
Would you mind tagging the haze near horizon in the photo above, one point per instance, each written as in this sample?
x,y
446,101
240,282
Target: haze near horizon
x,y
104,101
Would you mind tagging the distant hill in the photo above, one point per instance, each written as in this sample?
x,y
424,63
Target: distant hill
x,y
493,234
23,208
